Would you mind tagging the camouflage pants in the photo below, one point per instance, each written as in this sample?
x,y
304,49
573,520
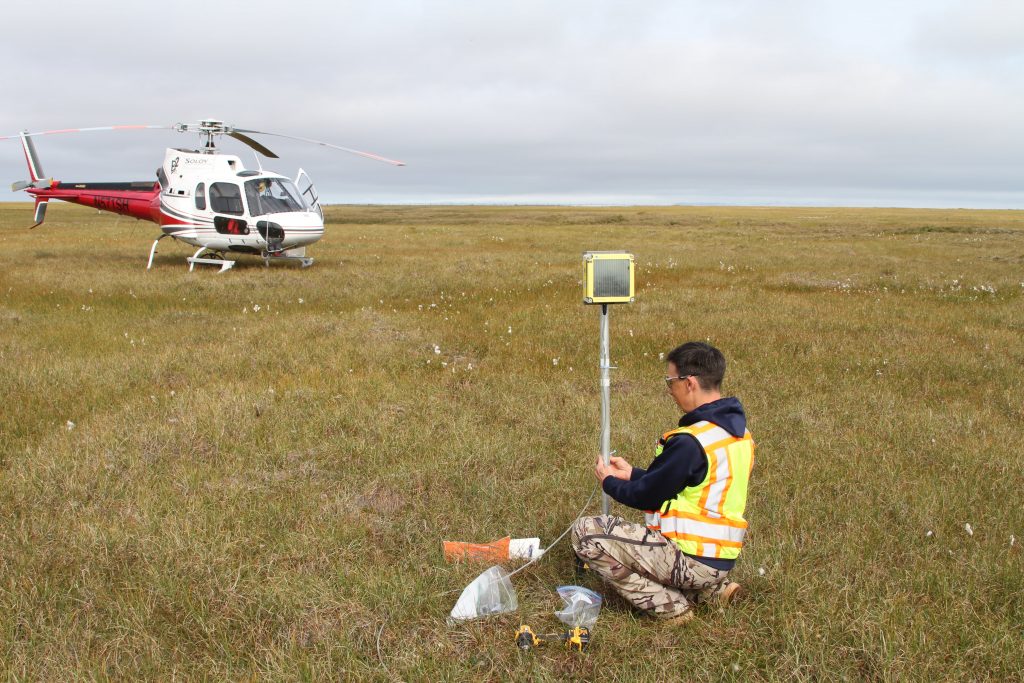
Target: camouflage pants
x,y
644,567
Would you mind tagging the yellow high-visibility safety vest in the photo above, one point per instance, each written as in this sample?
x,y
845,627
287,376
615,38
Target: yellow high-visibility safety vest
x,y
707,520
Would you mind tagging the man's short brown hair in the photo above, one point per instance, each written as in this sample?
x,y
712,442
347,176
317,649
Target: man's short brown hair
x,y
701,360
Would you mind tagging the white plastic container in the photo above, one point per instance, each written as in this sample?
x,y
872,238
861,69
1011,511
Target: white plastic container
x,y
524,548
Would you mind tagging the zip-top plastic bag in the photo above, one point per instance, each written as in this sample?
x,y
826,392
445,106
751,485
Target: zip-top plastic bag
x,y
581,606
488,594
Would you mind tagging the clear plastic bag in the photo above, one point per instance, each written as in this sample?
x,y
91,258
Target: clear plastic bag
x,y
490,593
581,606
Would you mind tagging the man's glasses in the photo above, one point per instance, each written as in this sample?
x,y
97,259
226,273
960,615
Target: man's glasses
x,y
669,380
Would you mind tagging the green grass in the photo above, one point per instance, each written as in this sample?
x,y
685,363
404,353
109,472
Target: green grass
x,y
263,493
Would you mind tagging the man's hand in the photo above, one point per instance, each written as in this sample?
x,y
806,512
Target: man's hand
x,y
616,467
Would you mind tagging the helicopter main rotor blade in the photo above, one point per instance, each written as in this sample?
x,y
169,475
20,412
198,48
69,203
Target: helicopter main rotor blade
x,y
252,143
86,130
368,155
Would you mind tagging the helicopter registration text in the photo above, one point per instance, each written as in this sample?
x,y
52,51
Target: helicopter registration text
x,y
112,203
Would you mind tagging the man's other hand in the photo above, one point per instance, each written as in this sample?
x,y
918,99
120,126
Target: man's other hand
x,y
616,467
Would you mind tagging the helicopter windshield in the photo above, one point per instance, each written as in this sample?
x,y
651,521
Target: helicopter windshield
x,y
272,195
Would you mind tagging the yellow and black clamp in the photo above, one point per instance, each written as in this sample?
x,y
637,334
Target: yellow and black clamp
x,y
576,638
526,638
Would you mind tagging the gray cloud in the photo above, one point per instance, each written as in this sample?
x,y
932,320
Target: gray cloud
x,y
790,102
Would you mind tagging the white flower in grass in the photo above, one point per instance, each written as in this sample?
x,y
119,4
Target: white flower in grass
x,y
437,350
301,300
255,308
929,533
69,425
761,571
510,329
968,529
1013,540
554,361
661,356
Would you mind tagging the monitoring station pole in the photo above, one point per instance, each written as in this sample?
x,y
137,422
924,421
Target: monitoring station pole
x,y
609,280
606,398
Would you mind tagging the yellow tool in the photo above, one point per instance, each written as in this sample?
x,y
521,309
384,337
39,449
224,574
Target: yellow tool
x,y
576,638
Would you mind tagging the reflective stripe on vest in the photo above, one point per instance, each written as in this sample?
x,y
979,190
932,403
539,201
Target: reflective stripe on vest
x,y
707,520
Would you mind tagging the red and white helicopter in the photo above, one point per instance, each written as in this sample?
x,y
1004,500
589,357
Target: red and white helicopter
x,y
203,197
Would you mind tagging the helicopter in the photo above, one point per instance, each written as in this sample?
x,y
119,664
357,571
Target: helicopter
x,y
202,197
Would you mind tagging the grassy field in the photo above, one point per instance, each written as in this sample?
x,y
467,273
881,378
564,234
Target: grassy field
x,y
249,474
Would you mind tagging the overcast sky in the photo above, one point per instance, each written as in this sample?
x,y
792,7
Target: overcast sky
x,y
565,101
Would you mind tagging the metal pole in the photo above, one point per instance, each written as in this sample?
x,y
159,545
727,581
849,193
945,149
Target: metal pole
x,y
606,384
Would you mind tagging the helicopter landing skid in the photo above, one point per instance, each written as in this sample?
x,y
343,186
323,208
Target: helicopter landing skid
x,y
152,251
214,259
268,256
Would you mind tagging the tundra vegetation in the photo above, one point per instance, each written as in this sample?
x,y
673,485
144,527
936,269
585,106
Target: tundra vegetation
x,y
249,474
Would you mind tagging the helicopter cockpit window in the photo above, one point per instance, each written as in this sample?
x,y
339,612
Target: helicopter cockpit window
x,y
201,196
272,195
226,198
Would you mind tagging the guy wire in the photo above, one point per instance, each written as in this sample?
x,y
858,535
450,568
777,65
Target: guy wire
x,y
564,533
550,546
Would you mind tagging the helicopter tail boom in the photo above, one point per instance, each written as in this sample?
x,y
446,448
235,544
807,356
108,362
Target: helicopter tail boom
x,y
139,200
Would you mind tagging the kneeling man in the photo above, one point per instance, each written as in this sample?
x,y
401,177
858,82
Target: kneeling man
x,y
693,495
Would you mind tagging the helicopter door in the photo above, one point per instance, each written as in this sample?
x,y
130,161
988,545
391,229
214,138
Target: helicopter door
x,y
308,192
273,234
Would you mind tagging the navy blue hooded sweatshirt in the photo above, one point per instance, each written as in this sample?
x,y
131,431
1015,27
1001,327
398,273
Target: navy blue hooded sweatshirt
x,y
682,463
